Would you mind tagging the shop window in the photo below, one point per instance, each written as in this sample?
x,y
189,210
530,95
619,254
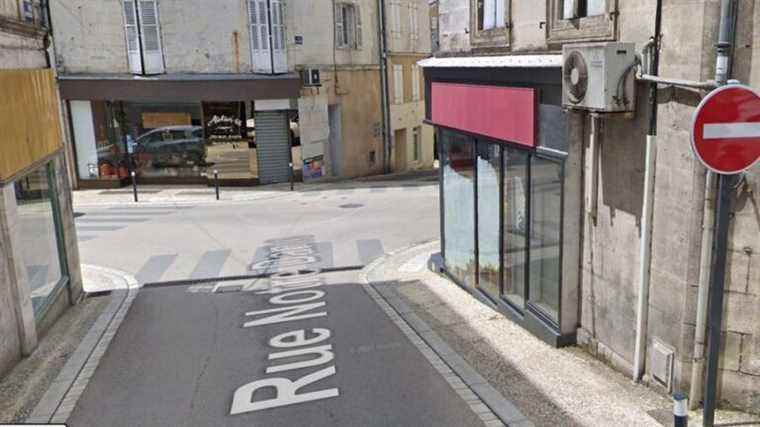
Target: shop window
x,y
582,20
488,194
266,21
348,27
490,23
143,32
545,236
458,166
515,219
39,236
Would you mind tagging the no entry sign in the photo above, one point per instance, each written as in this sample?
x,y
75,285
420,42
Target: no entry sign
x,y
726,133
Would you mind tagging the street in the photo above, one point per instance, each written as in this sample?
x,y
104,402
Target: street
x,y
269,351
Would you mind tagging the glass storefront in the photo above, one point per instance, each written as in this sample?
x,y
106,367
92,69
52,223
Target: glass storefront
x,y
458,165
516,195
38,229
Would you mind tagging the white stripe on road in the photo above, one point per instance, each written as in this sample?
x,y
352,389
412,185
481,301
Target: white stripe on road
x,y
731,130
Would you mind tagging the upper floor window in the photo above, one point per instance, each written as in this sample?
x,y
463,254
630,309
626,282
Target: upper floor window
x,y
266,19
490,23
413,21
348,26
143,32
582,20
398,84
491,14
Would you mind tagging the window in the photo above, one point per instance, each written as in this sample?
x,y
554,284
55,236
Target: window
x,y
581,20
398,84
491,14
38,227
416,145
395,19
488,178
413,23
415,83
348,27
458,164
268,48
142,29
515,222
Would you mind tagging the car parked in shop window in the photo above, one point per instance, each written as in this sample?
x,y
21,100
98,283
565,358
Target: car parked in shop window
x,y
173,145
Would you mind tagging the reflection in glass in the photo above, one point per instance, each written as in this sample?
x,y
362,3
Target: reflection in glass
x,y
459,206
515,225
39,243
546,213
489,165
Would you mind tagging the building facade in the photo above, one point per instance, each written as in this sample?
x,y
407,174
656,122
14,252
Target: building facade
x,y
543,215
247,89
39,260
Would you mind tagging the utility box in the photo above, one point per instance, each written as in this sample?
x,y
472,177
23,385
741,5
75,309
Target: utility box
x,y
599,77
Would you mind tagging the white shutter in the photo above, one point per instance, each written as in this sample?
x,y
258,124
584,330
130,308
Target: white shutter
x,y
489,14
569,9
501,13
339,26
396,18
153,57
259,23
133,39
413,21
398,84
415,83
279,51
358,39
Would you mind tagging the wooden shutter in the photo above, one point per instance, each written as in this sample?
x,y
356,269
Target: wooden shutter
x,y
398,84
339,25
396,18
489,14
153,57
258,16
279,51
133,39
501,13
415,83
358,39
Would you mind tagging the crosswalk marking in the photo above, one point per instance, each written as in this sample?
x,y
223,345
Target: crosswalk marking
x,y
210,264
155,268
86,220
93,228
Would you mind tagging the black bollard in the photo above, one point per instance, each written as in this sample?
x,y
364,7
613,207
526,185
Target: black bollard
x,y
292,176
134,185
216,183
680,410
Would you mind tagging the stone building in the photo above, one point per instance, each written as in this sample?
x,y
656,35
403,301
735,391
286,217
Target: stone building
x,y
39,260
174,90
567,264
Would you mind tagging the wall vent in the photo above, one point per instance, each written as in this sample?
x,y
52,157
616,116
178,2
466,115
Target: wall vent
x,y
662,363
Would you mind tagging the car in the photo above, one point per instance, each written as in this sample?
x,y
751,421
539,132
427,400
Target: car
x,y
172,145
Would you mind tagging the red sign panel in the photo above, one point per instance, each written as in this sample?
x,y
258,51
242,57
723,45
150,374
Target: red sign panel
x,y
726,130
503,113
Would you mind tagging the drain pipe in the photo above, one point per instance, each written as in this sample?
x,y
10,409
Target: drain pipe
x,y
645,249
385,91
722,72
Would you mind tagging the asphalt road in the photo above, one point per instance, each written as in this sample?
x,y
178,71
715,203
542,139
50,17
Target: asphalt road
x,y
311,349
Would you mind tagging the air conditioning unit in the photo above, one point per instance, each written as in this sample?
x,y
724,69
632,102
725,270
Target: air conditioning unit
x,y
599,77
311,77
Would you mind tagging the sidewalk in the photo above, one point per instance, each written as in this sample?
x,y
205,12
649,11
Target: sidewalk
x,y
201,194
550,386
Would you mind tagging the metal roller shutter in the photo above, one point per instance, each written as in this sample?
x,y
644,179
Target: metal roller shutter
x,y
273,146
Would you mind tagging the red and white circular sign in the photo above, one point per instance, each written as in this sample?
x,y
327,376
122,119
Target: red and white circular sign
x,y
726,129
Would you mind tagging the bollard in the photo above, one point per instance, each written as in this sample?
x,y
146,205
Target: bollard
x,y
216,183
680,410
292,177
134,185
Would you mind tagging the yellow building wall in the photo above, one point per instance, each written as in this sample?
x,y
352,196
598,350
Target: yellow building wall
x,y
30,127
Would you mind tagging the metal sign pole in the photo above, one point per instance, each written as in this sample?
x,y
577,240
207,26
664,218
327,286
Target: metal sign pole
x,y
725,190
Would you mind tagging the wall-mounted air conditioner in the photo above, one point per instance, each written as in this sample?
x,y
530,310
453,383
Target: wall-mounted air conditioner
x,y
599,77
311,77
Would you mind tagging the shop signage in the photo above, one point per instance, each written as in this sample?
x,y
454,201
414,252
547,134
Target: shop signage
x,y
726,129
222,121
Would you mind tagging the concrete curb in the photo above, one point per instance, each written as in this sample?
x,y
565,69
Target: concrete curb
x,y
485,401
61,397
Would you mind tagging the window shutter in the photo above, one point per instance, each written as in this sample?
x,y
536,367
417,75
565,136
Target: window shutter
x,y
569,9
398,84
279,52
339,34
259,23
153,57
501,13
396,14
358,30
415,83
133,40
489,14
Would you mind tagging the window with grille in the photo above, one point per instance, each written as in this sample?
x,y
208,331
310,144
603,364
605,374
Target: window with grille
x,y
143,32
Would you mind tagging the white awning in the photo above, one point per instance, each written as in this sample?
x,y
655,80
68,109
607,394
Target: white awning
x,y
505,61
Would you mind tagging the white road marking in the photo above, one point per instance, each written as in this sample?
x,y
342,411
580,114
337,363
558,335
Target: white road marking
x,y
731,130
